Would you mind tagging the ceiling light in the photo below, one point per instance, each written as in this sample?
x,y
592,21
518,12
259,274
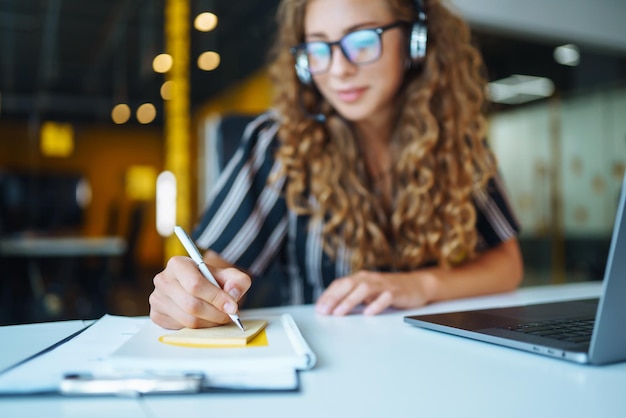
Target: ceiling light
x,y
205,22
120,113
518,89
146,113
166,90
567,55
162,63
209,61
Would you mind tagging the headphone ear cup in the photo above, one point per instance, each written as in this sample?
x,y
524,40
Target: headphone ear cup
x,y
302,69
417,42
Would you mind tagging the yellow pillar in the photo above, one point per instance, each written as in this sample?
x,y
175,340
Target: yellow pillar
x,y
177,119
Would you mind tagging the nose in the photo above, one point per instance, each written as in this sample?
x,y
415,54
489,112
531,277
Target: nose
x,y
340,65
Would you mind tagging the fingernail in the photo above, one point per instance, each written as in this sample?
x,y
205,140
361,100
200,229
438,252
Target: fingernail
x,y
235,293
340,310
322,309
230,308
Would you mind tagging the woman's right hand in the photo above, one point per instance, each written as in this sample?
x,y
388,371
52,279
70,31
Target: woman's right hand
x,y
183,297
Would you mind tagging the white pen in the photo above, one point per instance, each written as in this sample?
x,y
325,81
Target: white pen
x,y
195,255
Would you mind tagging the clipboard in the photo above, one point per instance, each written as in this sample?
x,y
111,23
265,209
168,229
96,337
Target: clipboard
x,y
122,355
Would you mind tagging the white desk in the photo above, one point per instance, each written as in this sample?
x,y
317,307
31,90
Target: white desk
x,y
382,367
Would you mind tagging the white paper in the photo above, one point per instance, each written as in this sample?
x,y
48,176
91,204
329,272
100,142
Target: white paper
x,y
20,342
86,353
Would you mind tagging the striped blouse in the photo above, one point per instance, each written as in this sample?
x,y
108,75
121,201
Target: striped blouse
x,y
248,224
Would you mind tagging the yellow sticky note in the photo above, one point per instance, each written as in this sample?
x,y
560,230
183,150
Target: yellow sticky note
x,y
223,336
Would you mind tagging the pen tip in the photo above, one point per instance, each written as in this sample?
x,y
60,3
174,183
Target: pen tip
x,y
240,325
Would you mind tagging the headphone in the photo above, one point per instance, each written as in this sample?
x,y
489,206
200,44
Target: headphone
x,y
419,35
417,46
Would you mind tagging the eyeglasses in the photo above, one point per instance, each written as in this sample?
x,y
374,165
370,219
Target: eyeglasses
x,y
360,47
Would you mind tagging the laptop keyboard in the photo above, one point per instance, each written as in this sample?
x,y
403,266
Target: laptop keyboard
x,y
573,330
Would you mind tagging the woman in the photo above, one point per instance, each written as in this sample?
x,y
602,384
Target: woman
x,y
370,178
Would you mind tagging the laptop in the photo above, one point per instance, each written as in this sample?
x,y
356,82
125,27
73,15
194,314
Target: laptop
x,y
589,331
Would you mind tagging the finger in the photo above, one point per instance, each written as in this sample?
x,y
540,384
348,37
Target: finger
x,y
333,295
234,282
353,299
196,310
183,310
200,288
159,311
164,321
178,319
379,304
170,313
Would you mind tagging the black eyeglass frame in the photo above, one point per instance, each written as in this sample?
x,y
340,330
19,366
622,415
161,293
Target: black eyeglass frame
x,y
300,51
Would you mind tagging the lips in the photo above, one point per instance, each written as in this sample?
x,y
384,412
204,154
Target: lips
x,y
350,95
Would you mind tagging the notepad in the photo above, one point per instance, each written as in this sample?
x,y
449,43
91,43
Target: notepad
x,y
228,335
270,366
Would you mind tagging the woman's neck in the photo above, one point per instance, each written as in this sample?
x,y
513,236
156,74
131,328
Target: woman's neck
x,y
374,144
374,138
374,131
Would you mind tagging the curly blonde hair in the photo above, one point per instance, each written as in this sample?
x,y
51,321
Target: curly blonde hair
x,y
438,149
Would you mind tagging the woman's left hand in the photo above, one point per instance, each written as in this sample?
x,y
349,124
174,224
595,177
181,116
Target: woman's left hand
x,y
498,269
377,291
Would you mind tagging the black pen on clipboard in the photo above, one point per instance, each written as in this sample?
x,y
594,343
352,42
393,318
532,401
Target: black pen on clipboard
x,y
195,255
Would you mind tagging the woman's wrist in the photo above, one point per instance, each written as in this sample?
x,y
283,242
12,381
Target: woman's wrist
x,y
430,284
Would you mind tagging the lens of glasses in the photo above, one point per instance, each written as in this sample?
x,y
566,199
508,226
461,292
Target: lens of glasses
x,y
362,46
319,56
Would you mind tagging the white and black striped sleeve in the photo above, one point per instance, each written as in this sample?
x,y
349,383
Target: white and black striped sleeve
x,y
246,220
495,219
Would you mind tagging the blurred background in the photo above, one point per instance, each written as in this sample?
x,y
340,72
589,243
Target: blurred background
x,y
116,117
